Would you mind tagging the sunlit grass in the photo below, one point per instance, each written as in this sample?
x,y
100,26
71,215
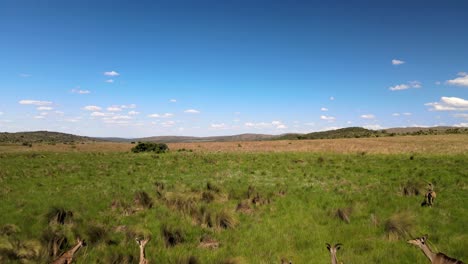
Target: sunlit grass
x,y
301,194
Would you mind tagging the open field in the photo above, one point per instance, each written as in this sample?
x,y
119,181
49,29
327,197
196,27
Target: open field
x,y
430,144
260,201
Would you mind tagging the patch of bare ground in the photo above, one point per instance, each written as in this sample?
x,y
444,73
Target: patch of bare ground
x,y
427,144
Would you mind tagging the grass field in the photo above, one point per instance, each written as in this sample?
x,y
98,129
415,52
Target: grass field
x,y
260,201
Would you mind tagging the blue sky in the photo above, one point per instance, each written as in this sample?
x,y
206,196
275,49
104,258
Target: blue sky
x,y
145,68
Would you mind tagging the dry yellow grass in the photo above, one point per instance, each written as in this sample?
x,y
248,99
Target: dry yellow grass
x,y
442,144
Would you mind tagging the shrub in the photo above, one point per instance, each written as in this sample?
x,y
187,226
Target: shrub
x,y
150,147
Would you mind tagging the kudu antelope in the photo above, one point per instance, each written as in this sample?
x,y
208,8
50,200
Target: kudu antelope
x,y
429,196
333,250
67,257
435,258
142,244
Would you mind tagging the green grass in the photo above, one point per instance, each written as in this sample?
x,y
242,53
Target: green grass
x,y
296,225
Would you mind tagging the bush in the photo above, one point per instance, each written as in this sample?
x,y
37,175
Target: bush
x,y
150,147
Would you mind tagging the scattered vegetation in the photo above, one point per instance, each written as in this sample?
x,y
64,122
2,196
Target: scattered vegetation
x,y
205,207
150,147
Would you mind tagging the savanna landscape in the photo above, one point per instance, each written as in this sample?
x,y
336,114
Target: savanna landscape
x,y
233,132
235,202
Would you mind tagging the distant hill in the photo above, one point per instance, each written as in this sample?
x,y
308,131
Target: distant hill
x,y
174,139
349,132
41,136
412,130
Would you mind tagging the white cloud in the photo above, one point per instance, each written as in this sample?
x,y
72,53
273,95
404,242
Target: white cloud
x,y
165,115
92,108
133,113
332,98
192,111
324,109
101,114
411,84
73,119
24,75
168,123
396,114
1,113
120,117
80,91
464,116
368,116
328,118
114,109
44,108
459,81
449,104
373,127
279,125
111,73
109,81
39,117
117,122
438,83
218,126
461,125
59,113
131,106
415,84
397,62
273,124
399,87
407,114
34,102
276,123
98,114
173,100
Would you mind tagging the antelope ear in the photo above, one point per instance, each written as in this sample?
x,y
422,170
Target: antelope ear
x,y
338,246
328,246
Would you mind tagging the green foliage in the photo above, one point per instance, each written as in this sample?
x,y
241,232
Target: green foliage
x,y
349,132
52,200
150,147
27,138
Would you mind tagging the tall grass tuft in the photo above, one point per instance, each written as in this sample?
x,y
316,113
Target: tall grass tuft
x,y
399,225
412,188
59,216
344,214
226,219
96,234
143,200
54,242
172,236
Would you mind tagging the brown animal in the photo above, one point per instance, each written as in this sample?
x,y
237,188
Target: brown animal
x,y
285,261
429,196
67,257
435,258
333,250
142,244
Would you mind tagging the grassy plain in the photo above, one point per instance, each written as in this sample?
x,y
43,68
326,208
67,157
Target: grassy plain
x,y
301,186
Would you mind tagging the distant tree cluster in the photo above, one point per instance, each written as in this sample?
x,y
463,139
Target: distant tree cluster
x,y
150,147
